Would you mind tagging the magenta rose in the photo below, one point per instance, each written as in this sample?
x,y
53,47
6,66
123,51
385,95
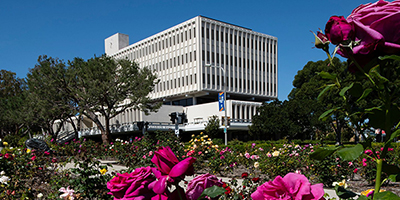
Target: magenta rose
x,y
199,184
132,185
169,169
377,26
164,159
338,30
292,186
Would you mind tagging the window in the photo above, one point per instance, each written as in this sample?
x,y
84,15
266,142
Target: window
x,y
191,80
216,34
212,34
208,33
203,55
235,40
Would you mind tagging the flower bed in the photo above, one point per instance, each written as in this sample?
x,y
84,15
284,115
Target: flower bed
x,y
262,162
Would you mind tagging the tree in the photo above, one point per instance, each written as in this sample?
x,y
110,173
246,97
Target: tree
x,y
49,99
212,128
107,87
12,95
273,122
308,84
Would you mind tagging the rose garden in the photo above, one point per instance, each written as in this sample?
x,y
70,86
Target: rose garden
x,y
162,166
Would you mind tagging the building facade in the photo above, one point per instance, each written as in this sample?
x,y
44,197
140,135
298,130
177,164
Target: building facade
x,y
180,55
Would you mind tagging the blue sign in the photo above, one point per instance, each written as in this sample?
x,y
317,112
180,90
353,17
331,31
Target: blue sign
x,y
221,101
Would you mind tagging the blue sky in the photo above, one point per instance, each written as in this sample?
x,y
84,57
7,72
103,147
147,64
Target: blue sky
x,y
68,29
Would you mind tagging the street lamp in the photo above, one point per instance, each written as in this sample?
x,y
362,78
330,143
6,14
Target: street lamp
x,y
226,117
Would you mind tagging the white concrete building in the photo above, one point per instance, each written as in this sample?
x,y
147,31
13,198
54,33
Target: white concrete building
x,y
178,56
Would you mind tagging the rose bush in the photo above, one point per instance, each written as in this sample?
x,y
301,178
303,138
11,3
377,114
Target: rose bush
x,y
292,186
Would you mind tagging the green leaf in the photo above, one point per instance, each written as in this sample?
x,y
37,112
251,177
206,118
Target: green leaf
x,y
344,90
374,72
365,94
362,197
327,75
386,195
394,135
390,169
394,177
328,87
343,193
373,109
391,57
322,152
212,192
327,113
351,153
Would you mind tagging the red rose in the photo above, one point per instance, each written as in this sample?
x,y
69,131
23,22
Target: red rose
x,y
255,179
245,175
228,190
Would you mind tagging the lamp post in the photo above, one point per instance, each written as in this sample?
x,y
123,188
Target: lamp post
x,y
226,117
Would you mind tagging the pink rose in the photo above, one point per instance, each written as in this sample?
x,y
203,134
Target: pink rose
x,y
199,184
247,155
338,30
369,152
292,186
364,162
133,185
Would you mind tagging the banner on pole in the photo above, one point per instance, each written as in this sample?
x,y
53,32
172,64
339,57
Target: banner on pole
x,y
221,101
